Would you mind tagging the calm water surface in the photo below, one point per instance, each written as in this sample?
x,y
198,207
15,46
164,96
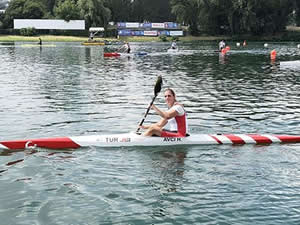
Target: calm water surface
x,y
65,89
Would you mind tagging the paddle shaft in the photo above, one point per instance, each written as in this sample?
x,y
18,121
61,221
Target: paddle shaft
x,y
142,121
157,89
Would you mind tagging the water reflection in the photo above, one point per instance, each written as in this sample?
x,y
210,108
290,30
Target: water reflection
x,y
223,58
169,167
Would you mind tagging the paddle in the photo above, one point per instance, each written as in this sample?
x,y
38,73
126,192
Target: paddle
x,y
157,89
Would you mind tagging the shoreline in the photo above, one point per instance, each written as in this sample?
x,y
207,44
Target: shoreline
x,y
58,38
291,34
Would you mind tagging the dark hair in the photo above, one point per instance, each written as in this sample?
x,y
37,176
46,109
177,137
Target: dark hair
x,y
171,90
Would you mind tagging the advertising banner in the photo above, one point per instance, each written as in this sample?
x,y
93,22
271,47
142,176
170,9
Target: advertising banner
x,y
164,32
171,25
121,25
150,33
176,33
158,25
132,25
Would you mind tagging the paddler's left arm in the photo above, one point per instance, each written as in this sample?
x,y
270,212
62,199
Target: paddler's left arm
x,y
165,114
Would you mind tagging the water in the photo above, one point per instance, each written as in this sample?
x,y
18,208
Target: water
x,y
65,89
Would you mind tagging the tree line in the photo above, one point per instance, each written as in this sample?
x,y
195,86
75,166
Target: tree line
x,y
215,17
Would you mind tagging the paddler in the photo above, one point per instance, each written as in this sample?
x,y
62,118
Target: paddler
x,y
126,47
40,41
173,45
222,45
173,122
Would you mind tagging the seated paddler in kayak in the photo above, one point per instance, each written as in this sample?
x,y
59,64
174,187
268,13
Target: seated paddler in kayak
x,y
174,45
126,48
173,122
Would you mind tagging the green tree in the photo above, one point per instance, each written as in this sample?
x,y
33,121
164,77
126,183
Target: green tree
x,y
245,16
67,10
121,10
95,12
152,10
187,12
23,9
297,12
33,10
50,6
138,11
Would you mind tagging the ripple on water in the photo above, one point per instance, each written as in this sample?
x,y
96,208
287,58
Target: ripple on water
x,y
72,90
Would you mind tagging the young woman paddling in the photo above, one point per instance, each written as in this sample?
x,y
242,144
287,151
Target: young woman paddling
x,y
174,118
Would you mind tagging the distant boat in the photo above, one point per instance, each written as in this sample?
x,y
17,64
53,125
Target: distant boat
x,y
117,54
290,64
111,54
92,43
172,50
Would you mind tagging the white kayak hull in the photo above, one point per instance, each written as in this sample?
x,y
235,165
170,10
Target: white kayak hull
x,y
132,139
290,64
171,50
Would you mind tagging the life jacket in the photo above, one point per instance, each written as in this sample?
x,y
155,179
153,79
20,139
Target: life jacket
x,y
181,128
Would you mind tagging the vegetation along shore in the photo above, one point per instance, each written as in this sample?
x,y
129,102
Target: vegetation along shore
x,y
201,20
292,34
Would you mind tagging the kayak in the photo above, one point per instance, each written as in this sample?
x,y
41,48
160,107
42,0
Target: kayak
x,y
172,50
290,64
111,54
141,53
93,43
133,54
133,139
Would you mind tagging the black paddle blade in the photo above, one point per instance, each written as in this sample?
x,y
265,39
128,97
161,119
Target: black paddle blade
x,y
158,85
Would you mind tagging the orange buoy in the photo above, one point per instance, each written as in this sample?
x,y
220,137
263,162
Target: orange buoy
x,y
273,54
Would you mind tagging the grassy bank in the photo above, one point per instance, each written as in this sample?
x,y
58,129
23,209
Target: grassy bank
x,y
48,38
291,34
54,38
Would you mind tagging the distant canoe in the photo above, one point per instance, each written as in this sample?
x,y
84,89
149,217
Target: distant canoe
x,y
92,43
141,53
172,50
133,54
111,54
290,64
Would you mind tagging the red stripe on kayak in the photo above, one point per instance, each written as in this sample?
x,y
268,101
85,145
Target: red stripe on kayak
x,y
260,139
235,139
53,143
288,138
111,54
220,142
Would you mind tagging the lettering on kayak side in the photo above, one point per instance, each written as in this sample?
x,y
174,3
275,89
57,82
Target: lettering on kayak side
x,y
125,140
172,139
116,139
